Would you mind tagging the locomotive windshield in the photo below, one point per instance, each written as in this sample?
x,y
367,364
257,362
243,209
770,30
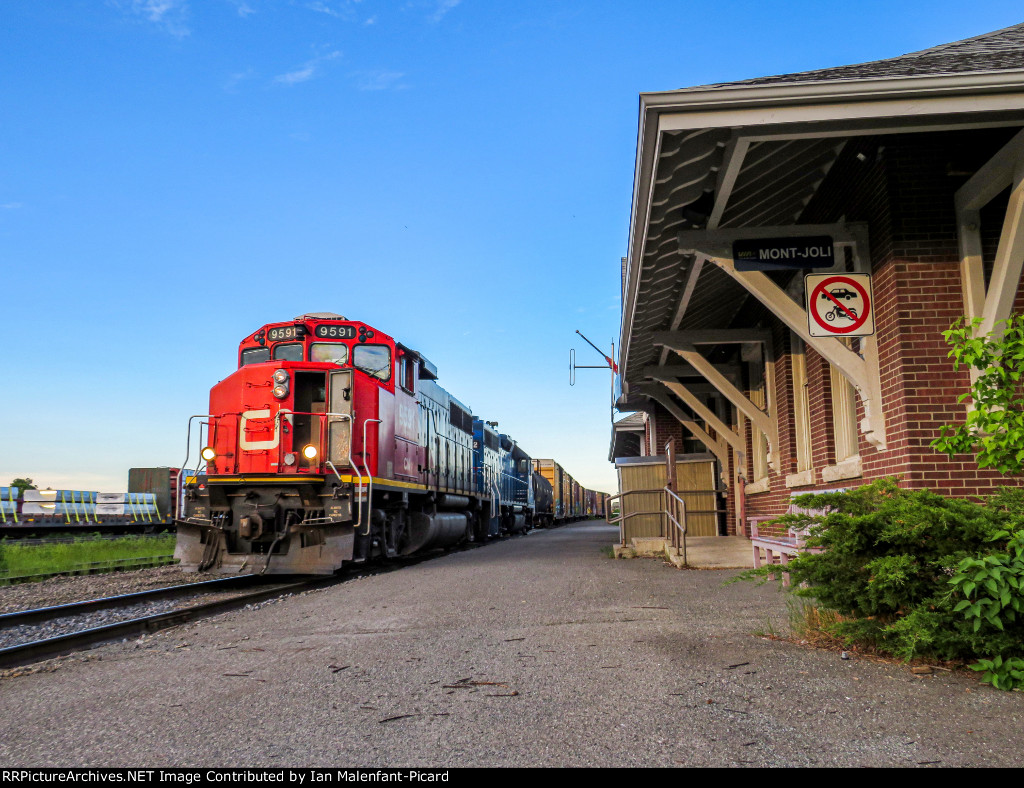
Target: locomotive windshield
x,y
254,355
290,352
328,352
374,360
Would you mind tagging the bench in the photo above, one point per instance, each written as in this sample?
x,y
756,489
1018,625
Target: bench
x,y
778,549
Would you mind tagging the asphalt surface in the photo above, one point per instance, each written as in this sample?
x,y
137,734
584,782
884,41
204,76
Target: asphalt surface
x,y
537,651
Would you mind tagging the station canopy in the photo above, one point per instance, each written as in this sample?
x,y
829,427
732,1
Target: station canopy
x,y
735,158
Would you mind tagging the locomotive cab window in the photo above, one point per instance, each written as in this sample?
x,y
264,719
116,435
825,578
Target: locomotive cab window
x,y
329,352
407,374
254,355
374,360
290,352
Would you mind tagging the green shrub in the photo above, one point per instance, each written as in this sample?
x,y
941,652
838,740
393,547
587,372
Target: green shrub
x,y
916,574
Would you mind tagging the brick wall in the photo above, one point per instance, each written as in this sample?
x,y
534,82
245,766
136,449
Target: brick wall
x,y
904,190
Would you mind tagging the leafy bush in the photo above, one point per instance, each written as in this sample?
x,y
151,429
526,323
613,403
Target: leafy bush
x,y
916,574
994,426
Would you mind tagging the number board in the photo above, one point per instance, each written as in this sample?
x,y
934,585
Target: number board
x,y
286,332
335,332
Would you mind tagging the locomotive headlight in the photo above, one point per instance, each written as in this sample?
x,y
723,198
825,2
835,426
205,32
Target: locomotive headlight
x,y
281,376
208,453
281,391
309,452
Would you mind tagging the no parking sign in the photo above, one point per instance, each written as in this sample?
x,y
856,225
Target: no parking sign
x,y
839,305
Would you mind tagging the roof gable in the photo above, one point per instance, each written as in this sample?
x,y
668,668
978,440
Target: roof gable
x,y
1000,50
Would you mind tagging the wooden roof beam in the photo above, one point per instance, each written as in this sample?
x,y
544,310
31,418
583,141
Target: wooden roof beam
x,y
862,372
719,448
715,336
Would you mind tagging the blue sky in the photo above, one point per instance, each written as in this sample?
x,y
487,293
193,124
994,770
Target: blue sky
x,y
458,173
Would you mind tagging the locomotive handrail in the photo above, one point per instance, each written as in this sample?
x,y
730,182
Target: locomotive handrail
x,y
495,500
327,461
188,436
366,465
329,464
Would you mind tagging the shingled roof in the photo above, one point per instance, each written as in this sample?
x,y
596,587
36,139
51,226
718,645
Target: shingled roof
x,y
1000,50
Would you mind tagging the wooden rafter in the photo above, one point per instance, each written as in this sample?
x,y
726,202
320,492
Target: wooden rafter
x,y
861,371
765,422
719,448
1002,288
701,410
715,336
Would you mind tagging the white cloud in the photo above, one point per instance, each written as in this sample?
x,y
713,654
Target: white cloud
x,y
323,8
233,80
243,8
378,80
297,76
10,206
443,7
307,71
171,15
339,9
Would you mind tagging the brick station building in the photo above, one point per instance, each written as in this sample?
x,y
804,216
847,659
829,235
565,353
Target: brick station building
x,y
912,170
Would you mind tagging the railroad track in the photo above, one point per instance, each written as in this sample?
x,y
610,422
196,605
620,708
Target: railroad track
x,y
79,629
20,630
93,568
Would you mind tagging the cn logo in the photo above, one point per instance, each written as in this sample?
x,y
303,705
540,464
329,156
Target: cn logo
x,y
244,428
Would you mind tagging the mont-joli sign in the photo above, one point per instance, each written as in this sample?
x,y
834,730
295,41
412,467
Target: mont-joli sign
x,y
774,254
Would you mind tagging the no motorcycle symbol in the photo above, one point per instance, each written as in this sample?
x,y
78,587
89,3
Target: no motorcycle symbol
x,y
839,305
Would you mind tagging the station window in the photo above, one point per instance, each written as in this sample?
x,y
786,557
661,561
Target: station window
x,y
254,355
374,360
844,416
758,396
290,352
328,352
801,406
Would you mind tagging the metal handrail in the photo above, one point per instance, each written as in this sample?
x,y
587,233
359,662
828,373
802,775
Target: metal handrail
x,y
678,505
672,508
330,464
188,436
495,500
679,502
366,465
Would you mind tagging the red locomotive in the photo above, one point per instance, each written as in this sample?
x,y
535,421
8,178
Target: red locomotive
x,y
331,442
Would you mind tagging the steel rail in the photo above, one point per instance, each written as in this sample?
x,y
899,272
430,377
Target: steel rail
x,y
24,653
103,603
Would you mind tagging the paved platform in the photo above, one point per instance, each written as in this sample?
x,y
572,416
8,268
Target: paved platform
x,y
702,552
537,651
719,552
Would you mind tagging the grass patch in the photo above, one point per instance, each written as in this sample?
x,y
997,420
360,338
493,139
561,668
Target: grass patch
x,y
608,551
36,559
815,625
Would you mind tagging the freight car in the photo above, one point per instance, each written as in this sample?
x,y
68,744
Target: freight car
x,y
149,505
566,491
331,443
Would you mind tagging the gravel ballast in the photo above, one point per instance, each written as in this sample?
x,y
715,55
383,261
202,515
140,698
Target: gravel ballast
x,y
80,588
538,651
